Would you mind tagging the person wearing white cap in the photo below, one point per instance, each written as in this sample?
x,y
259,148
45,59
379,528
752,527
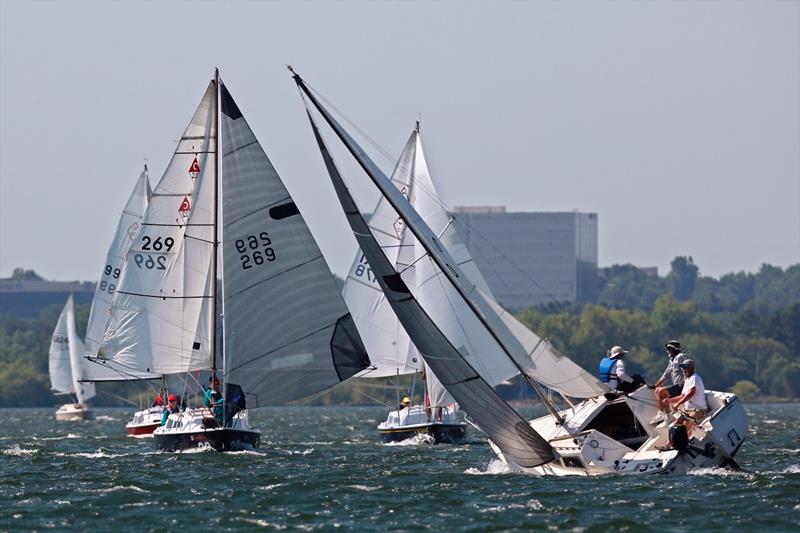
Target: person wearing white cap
x,y
674,373
612,371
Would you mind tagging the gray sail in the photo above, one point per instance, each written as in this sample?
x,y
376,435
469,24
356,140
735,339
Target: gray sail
x,y
288,333
507,429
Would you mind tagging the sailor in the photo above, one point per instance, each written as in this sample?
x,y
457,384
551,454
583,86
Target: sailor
x,y
158,401
405,403
612,372
172,407
674,373
210,390
691,405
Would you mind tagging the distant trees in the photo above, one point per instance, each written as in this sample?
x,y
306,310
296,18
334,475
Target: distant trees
x,y
20,274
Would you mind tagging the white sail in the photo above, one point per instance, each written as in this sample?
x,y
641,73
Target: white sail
x,y
507,429
288,333
161,314
83,391
110,278
60,366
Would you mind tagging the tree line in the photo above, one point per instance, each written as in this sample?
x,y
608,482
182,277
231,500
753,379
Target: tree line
x,y
743,330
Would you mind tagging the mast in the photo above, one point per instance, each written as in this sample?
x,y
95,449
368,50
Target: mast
x,y
371,170
215,246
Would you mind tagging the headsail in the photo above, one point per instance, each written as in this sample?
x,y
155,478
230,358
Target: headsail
x,y
60,366
110,278
506,427
162,313
288,333
83,391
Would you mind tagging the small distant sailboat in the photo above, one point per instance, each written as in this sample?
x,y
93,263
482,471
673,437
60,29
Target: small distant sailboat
x,y
99,369
66,365
600,435
391,351
285,332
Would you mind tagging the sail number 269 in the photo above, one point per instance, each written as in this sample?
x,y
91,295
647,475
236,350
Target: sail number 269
x,y
154,261
255,250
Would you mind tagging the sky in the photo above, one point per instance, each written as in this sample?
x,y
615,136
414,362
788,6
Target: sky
x,y
677,123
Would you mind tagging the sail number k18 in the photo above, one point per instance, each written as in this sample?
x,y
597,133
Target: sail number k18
x,y
255,250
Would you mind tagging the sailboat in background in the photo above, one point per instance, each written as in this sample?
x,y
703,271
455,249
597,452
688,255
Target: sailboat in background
x,y
599,435
285,331
391,351
67,365
100,369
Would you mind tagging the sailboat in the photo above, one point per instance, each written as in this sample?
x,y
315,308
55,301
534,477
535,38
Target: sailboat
x,y
285,332
391,351
599,435
100,369
66,365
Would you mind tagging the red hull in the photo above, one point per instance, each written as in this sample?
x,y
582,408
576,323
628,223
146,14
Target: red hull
x,y
146,429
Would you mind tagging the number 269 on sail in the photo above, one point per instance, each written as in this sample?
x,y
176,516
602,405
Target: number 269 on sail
x,y
255,250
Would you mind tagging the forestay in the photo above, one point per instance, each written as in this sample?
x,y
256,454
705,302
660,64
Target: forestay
x,y
110,278
288,333
161,314
518,441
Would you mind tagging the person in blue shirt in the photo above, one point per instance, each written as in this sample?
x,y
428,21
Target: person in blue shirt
x,y
171,407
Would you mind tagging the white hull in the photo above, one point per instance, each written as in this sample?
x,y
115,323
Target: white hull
x,y
197,428
144,422
73,412
408,422
585,447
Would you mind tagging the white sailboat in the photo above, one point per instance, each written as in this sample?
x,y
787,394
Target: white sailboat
x,y
596,436
100,369
66,366
285,331
391,351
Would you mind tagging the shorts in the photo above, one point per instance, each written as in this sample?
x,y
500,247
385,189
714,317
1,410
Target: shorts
x,y
690,415
674,390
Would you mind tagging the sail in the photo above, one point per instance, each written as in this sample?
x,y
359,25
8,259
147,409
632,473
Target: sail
x,y
378,325
288,333
60,366
83,391
162,312
507,429
110,278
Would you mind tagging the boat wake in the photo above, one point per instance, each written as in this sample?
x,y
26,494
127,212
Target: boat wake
x,y
420,439
494,468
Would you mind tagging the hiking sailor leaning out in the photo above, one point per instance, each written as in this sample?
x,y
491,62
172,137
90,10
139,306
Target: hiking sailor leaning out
x,y
674,373
612,372
691,404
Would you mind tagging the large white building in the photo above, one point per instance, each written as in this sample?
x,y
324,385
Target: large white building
x,y
532,258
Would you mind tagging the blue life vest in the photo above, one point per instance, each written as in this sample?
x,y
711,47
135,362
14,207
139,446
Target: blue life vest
x,y
605,369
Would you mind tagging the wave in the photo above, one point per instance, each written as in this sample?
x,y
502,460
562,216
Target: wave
x,y
494,468
117,488
417,440
16,451
363,488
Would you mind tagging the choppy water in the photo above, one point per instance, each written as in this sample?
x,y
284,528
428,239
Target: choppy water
x,y
324,468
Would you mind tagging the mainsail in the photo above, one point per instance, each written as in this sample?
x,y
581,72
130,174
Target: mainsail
x,y
66,357
162,313
288,333
286,330
110,279
507,429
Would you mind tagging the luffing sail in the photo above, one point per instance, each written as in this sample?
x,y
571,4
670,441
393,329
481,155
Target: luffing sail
x,y
506,428
161,315
110,279
288,333
66,357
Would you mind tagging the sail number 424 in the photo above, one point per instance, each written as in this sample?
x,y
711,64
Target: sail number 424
x,y
255,250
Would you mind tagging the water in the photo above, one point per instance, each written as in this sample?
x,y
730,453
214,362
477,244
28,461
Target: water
x,y
324,468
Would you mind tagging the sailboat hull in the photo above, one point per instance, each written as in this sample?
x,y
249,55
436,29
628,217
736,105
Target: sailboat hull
x,y
70,412
441,433
219,439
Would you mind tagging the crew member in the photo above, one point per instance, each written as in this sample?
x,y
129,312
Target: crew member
x,y
674,373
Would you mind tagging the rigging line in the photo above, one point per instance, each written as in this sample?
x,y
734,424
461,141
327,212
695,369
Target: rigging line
x,y
118,397
433,196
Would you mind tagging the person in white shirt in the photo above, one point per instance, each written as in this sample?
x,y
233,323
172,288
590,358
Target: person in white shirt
x,y
690,405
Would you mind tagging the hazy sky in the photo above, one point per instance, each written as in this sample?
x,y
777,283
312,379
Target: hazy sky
x,y
678,123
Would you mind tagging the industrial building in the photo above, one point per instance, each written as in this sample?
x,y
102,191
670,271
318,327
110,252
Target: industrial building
x,y
532,258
